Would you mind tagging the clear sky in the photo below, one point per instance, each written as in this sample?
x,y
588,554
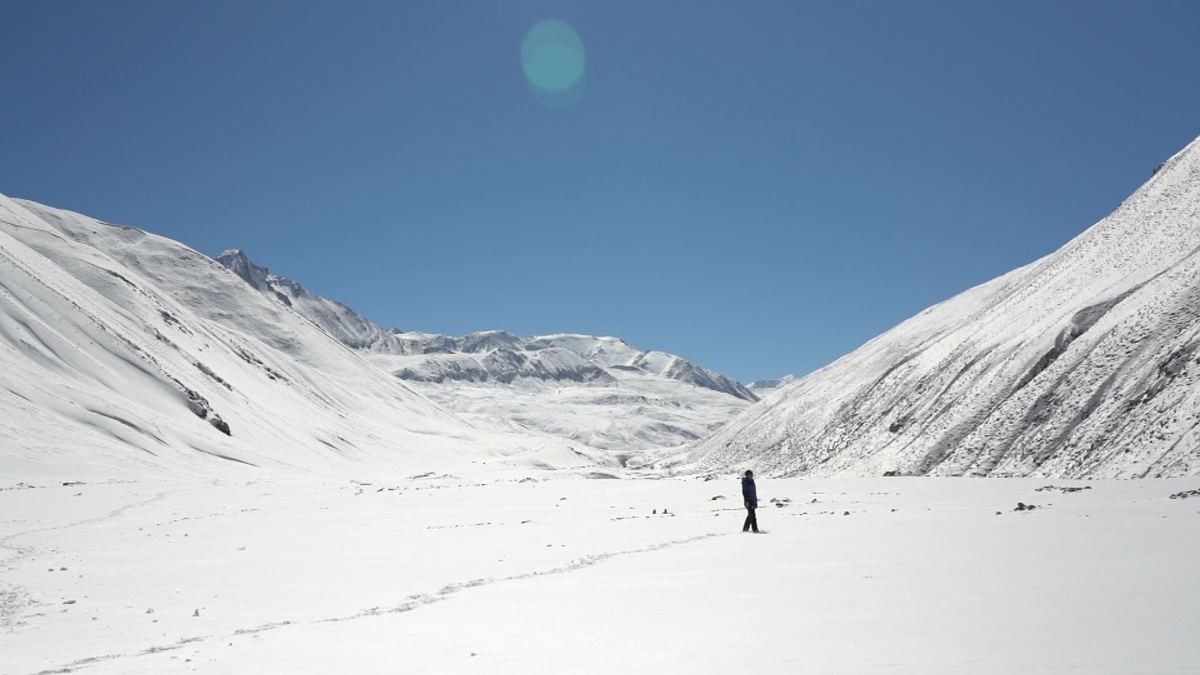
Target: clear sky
x,y
758,186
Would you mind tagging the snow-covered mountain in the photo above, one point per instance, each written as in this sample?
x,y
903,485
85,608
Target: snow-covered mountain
x,y
599,392
489,356
1083,363
122,351
484,356
502,357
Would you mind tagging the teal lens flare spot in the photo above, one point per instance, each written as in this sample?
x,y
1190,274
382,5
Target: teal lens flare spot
x,y
553,59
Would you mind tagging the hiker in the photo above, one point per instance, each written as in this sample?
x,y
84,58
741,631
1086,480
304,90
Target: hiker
x,y
750,496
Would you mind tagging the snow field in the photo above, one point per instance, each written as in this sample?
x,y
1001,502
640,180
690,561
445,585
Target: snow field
x,y
552,575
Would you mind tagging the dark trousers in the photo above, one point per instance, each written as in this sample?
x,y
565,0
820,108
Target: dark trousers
x,y
751,520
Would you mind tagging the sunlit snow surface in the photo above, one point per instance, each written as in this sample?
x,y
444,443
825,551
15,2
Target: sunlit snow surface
x,y
498,572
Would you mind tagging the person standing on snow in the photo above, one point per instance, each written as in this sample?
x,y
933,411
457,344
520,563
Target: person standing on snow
x,y
750,496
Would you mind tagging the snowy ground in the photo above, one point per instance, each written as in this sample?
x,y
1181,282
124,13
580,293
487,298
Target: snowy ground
x,y
444,574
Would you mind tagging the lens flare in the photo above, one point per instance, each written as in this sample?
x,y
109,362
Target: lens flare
x,y
553,60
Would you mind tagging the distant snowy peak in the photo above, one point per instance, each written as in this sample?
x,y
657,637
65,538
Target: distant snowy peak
x,y
611,352
435,343
501,365
764,387
344,324
235,259
487,356
484,356
503,357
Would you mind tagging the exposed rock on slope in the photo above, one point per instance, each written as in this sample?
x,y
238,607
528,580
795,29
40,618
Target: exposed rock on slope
x,y
1083,363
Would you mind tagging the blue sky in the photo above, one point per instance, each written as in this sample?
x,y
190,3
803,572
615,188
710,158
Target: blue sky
x,y
758,186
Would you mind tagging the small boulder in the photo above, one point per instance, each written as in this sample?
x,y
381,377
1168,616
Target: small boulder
x,y
220,424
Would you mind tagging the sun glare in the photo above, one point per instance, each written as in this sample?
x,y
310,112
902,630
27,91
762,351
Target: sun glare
x,y
553,59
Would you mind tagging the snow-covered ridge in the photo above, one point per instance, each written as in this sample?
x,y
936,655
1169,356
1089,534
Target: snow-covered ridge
x,y
504,357
123,352
484,356
1083,363
347,326
488,356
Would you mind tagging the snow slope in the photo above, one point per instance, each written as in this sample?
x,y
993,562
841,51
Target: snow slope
x,y
591,391
123,353
1083,363
635,419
